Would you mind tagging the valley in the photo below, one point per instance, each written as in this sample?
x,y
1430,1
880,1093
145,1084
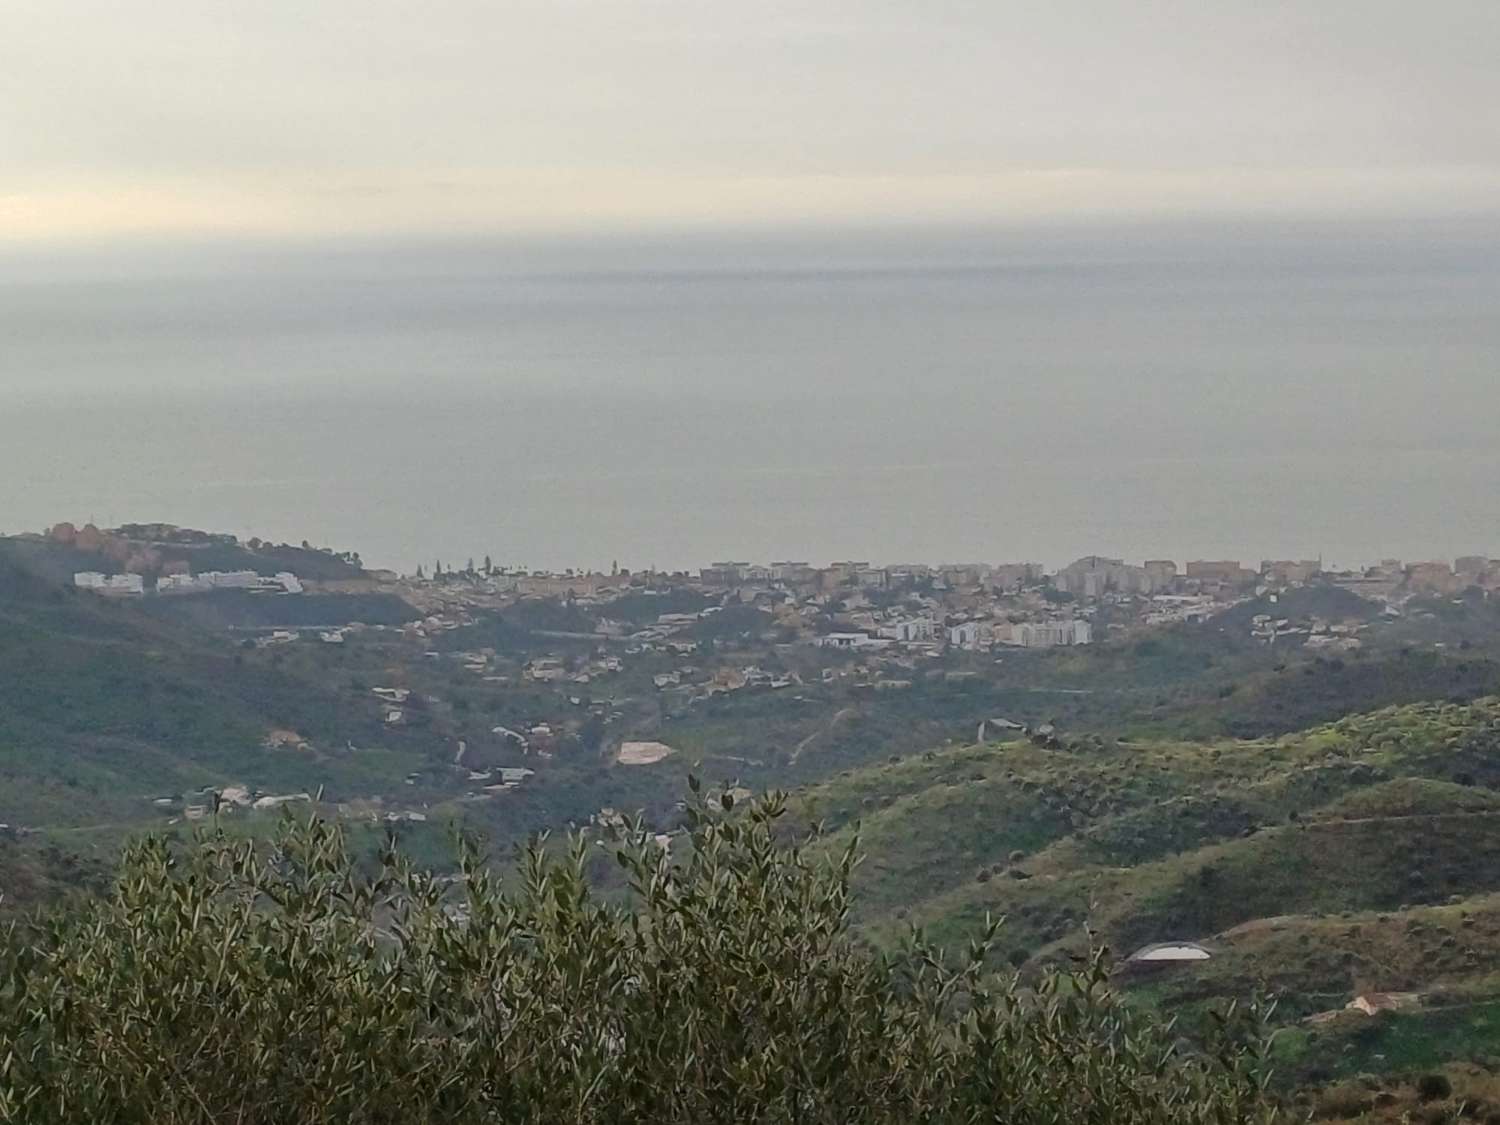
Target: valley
x,y
1319,828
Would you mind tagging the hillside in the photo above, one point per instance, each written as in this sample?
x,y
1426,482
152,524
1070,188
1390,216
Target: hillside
x,y
106,709
156,548
234,609
1359,856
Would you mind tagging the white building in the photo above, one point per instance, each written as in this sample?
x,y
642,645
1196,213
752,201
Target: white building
x,y
227,580
1052,634
180,584
232,579
849,640
910,631
964,636
113,586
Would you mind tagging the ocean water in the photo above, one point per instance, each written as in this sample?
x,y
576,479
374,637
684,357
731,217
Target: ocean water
x,y
1240,391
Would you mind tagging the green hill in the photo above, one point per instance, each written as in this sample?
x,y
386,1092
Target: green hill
x,y
1360,855
957,815
57,561
239,609
105,708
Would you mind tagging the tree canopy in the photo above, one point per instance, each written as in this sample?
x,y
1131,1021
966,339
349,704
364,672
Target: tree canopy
x,y
231,982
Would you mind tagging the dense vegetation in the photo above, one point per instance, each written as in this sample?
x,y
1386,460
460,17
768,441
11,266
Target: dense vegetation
x,y
105,707
1352,859
241,985
230,609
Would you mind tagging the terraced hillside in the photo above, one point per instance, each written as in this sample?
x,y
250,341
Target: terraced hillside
x,y
1360,856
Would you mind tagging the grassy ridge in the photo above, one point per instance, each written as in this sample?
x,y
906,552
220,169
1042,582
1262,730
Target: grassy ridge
x,y
1360,855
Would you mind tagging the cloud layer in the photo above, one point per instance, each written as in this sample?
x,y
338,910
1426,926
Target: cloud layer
x,y
454,115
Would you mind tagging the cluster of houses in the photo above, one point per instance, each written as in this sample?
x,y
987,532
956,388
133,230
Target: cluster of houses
x,y
207,802
134,585
554,669
1314,632
1393,582
978,606
896,618
969,636
971,607
210,801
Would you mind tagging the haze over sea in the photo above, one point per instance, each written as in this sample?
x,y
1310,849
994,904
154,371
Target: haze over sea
x,y
1244,390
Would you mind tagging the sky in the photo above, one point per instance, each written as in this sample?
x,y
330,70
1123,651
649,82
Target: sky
x,y
448,117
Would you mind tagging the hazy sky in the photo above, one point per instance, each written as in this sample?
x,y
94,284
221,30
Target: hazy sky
x,y
282,117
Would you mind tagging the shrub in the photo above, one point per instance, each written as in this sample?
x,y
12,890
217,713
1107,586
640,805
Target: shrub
x,y
1349,1099
237,985
1434,1087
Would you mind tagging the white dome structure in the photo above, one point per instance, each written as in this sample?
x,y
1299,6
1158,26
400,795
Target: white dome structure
x,y
1169,952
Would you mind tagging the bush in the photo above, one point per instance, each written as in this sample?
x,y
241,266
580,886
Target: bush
x,y
245,985
1434,1087
1349,1099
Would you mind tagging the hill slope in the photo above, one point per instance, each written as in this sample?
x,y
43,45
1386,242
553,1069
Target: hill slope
x,y
1359,855
105,707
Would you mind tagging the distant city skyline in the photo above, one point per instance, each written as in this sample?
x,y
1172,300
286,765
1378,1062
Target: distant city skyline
x,y
459,562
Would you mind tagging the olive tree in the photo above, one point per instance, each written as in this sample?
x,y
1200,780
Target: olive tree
x,y
232,983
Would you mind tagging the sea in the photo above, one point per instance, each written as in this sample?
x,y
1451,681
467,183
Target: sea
x,y
1241,389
